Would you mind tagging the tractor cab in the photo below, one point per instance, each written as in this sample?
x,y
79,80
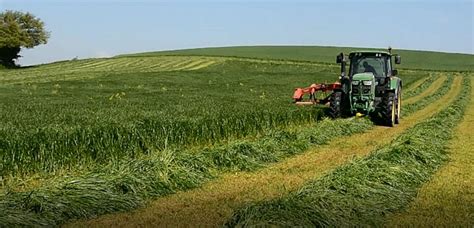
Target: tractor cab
x,y
368,78
377,63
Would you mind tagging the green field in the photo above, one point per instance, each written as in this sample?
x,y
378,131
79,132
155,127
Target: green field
x,y
88,137
411,59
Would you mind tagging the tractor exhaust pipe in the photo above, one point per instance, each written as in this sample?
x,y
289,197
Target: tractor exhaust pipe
x,y
341,59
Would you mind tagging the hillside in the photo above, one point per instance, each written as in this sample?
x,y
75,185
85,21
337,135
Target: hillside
x,y
410,59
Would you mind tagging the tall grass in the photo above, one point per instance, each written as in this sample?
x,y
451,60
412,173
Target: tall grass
x,y
124,184
364,192
70,123
47,149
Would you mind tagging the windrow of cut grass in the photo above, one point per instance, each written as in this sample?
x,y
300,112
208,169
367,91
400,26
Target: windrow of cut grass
x,y
447,199
417,84
364,192
75,69
127,183
426,82
427,99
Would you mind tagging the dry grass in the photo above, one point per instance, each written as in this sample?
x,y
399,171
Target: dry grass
x,y
448,199
213,204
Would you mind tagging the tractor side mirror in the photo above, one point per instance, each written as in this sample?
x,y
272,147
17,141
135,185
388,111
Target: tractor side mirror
x,y
394,72
398,59
340,58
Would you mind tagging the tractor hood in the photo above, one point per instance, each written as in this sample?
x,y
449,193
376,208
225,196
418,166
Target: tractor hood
x,y
363,76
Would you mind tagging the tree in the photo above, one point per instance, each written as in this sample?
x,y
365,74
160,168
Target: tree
x,y
19,30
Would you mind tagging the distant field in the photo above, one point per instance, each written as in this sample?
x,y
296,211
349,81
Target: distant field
x,y
410,59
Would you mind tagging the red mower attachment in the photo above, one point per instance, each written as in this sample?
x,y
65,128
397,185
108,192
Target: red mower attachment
x,y
298,96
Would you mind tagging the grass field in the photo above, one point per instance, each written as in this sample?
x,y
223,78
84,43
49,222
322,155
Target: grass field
x,y
411,59
89,137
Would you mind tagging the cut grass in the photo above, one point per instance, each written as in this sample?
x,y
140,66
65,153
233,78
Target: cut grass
x,y
447,200
365,191
214,203
417,84
431,96
424,89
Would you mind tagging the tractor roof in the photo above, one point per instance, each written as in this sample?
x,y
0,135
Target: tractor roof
x,y
370,52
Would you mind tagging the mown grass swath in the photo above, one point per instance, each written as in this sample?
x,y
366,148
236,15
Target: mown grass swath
x,y
410,108
427,83
364,192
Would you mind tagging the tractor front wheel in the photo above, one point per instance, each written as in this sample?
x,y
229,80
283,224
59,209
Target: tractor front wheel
x,y
335,104
389,112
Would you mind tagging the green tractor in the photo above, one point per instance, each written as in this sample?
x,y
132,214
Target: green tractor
x,y
370,88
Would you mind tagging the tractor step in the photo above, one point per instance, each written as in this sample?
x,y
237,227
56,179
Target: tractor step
x,y
305,103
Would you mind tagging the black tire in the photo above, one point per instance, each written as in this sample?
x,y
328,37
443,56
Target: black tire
x,y
389,109
398,106
335,104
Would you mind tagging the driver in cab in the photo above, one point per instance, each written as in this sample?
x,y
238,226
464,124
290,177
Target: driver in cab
x,y
368,68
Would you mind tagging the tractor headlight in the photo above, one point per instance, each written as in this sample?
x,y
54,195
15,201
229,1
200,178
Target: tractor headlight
x,y
355,83
367,83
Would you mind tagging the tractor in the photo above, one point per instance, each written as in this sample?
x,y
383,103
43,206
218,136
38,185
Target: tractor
x,y
370,88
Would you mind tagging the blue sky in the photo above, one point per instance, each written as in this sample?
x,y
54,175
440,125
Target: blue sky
x,y
101,28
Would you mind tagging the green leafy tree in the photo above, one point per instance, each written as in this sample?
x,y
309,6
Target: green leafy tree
x,y
19,30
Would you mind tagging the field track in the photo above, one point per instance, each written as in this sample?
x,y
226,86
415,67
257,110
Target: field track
x,y
213,203
448,199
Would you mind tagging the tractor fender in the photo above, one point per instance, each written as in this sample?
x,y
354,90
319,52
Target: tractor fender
x,y
395,85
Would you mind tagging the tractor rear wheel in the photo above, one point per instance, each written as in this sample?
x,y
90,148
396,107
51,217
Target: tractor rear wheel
x,y
335,104
389,109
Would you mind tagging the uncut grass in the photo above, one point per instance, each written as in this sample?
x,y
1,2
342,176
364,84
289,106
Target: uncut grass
x,y
364,192
124,115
